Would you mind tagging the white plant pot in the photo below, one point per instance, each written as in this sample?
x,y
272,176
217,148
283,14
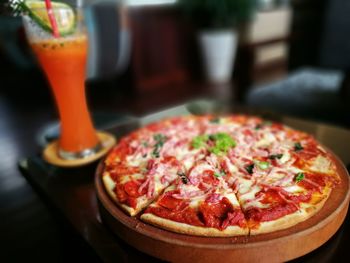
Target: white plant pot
x,y
218,52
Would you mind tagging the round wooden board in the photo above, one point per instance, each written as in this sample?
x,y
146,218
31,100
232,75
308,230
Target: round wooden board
x,y
278,246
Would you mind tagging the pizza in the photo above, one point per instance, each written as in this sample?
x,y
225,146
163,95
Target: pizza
x,y
220,175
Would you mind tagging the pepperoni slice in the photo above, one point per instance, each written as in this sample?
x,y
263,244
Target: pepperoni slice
x,y
120,193
174,204
208,178
313,181
129,192
268,214
119,171
214,214
131,188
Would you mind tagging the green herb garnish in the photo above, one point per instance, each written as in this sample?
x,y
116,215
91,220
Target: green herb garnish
x,y
298,147
199,141
299,177
155,153
36,10
249,168
263,165
160,140
275,156
219,174
258,127
222,143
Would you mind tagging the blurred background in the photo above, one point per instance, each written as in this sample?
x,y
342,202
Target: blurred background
x,y
286,56
290,56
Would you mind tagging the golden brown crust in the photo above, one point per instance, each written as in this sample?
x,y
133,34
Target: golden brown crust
x,y
142,201
307,210
193,230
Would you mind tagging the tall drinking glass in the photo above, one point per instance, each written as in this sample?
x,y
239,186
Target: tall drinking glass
x,y
62,56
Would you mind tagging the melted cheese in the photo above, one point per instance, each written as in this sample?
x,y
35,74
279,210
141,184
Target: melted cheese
x,y
321,164
285,157
293,189
233,199
125,179
136,160
244,186
250,194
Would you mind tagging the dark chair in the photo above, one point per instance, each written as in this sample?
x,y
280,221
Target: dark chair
x,y
319,62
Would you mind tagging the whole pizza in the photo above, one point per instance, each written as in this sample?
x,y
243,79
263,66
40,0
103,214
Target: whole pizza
x,y
220,175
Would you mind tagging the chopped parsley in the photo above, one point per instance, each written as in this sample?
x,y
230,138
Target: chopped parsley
x,y
183,177
275,156
199,141
159,137
249,168
298,147
219,174
263,165
299,177
222,143
258,126
218,143
155,153
160,140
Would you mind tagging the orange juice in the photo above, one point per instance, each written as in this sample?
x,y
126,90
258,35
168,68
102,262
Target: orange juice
x,y
63,60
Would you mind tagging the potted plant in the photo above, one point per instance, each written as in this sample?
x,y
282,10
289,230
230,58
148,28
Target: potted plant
x,y
217,22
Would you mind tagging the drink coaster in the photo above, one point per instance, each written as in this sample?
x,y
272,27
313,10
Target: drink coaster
x,y
50,153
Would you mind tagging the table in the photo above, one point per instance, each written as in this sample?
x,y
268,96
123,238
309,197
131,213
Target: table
x,y
70,196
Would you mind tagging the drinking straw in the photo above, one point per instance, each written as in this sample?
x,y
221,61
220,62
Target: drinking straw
x,y
52,18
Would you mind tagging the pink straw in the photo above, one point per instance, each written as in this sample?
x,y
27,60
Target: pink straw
x,y
52,18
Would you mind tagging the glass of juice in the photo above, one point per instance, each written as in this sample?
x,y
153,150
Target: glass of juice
x,y
58,38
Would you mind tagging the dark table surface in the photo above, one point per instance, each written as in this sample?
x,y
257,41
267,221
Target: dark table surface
x,y
51,214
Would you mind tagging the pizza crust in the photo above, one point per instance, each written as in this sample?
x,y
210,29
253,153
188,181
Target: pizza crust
x,y
193,230
307,211
142,201
281,223
109,186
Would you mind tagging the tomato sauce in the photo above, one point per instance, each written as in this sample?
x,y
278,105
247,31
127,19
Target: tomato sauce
x,y
129,192
313,182
279,207
122,170
218,215
171,203
208,178
271,213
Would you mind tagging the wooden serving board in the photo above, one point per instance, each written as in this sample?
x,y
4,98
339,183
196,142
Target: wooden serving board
x,y
278,246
